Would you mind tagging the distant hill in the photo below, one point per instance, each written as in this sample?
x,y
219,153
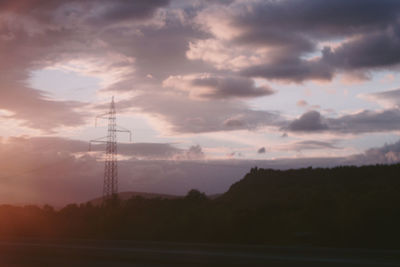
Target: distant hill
x,y
128,195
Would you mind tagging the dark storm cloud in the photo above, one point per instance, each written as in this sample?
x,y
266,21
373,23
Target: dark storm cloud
x,y
100,12
292,69
362,122
230,87
315,18
381,49
293,30
116,11
158,51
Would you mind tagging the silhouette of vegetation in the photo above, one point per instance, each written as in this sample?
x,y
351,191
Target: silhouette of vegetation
x,y
340,207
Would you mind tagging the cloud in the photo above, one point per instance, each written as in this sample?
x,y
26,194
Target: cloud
x,y
59,171
223,55
35,110
33,107
109,12
185,115
387,154
388,99
194,153
52,170
53,173
291,36
159,151
210,86
207,54
39,34
125,42
375,50
36,173
365,121
261,150
230,87
138,151
76,13
291,69
302,103
159,51
315,18
311,145
310,121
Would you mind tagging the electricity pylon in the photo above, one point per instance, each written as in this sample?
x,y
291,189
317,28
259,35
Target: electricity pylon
x,y
110,183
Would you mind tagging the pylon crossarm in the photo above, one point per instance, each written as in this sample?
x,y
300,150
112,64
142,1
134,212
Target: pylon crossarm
x,y
124,130
101,116
98,140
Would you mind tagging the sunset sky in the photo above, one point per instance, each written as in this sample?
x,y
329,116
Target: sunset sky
x,y
208,88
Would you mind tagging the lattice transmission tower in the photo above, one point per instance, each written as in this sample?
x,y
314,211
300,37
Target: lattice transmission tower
x,y
110,182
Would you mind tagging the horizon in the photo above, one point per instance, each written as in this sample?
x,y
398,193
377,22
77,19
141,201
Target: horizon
x,y
209,90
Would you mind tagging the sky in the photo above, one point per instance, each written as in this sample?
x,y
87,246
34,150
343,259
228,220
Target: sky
x,y
208,88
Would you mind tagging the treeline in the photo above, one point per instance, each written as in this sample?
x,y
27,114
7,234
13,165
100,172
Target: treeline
x,y
340,207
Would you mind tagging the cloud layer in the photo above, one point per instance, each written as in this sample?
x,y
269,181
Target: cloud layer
x,y
54,173
292,37
162,49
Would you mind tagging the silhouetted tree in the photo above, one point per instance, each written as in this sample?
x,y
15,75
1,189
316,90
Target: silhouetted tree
x,y
195,195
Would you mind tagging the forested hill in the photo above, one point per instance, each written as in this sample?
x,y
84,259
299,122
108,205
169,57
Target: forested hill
x,y
339,207
342,206
340,184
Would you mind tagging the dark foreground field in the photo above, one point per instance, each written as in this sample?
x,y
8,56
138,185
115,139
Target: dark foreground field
x,y
306,217
21,253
